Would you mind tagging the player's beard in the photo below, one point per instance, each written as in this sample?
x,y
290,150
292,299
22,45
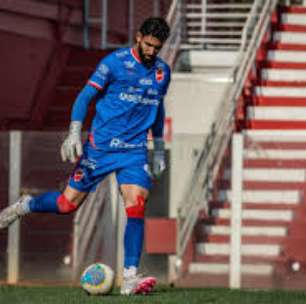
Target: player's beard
x,y
147,62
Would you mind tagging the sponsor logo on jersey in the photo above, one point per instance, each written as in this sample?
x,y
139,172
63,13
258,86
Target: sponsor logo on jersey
x,y
78,175
136,98
159,75
118,143
145,81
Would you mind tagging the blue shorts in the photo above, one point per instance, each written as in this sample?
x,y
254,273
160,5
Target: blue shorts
x,y
131,167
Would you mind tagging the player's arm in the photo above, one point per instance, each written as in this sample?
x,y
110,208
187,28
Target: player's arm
x,y
159,155
72,147
159,163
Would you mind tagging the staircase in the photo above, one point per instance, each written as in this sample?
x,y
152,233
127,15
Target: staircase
x,y
273,216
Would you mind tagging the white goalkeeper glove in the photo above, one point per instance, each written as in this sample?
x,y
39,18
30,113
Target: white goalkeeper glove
x,y
72,147
159,157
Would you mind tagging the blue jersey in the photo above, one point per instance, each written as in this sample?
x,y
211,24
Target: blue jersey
x,y
129,102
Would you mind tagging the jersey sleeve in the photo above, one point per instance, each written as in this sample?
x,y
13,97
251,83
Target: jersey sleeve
x,y
80,106
166,81
103,74
158,126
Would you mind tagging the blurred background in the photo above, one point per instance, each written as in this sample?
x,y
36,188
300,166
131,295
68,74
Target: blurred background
x,y
230,208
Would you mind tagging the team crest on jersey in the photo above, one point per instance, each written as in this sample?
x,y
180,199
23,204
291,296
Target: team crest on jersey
x,y
159,75
78,175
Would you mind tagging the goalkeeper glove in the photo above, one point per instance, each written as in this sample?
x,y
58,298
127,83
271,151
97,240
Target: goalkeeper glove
x,y
159,162
72,147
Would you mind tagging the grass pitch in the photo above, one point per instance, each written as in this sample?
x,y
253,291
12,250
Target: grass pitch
x,y
162,295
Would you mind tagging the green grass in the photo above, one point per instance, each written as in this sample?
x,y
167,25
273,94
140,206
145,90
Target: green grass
x,y
162,295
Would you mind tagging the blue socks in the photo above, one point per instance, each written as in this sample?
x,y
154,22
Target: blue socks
x,y
46,202
133,241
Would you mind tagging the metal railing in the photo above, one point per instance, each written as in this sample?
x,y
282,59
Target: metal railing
x,y
208,163
215,24
97,19
171,48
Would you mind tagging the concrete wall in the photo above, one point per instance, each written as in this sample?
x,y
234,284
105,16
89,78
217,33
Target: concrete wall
x,y
192,101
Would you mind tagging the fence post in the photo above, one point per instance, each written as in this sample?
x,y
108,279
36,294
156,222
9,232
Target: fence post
x,y
236,211
131,16
104,24
13,247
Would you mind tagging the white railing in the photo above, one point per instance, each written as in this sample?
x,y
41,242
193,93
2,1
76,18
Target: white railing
x,y
207,165
171,48
85,222
215,25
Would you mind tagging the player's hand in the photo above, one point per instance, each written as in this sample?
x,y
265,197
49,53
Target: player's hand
x,y
72,147
159,157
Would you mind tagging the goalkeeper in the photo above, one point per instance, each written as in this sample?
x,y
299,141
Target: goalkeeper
x,y
129,86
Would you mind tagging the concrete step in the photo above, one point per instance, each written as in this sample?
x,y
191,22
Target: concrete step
x,y
262,162
255,214
284,65
280,83
221,268
277,113
264,124
293,18
288,136
273,197
300,28
278,101
280,92
261,153
277,45
246,249
255,185
283,74
286,56
290,37
270,175
246,231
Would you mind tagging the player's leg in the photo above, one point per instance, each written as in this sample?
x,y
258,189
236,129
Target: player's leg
x,y
49,202
134,198
83,179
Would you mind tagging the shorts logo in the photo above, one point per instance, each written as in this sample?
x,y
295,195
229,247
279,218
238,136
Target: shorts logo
x,y
78,175
159,75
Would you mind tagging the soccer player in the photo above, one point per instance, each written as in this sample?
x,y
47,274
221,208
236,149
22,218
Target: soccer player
x,y
129,86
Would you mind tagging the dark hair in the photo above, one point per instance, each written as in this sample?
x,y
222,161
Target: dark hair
x,y
157,27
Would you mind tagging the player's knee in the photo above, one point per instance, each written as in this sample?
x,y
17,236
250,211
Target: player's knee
x,y
136,208
65,206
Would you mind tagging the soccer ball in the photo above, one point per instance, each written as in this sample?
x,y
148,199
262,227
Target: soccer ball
x,y
97,279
